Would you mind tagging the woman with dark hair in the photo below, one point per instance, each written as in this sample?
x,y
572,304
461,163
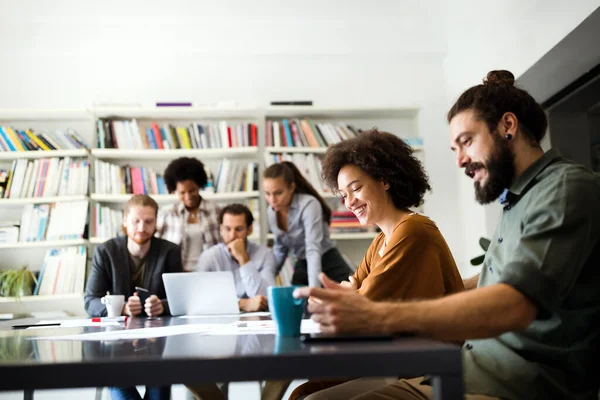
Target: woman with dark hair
x,y
379,179
193,221
299,218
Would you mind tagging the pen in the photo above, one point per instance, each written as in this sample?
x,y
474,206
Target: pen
x,y
122,318
34,325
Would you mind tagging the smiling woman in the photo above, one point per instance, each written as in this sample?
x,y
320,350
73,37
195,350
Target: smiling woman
x,y
379,179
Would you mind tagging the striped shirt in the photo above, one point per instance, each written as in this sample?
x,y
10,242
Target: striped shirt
x,y
172,225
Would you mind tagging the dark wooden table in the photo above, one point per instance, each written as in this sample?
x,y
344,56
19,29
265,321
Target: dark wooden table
x,y
28,364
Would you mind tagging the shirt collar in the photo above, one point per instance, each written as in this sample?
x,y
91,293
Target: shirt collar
x,y
295,200
525,179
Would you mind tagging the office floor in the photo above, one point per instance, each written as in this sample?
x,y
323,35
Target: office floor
x,y
237,391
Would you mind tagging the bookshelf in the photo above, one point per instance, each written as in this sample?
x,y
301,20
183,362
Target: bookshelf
x,y
399,120
31,254
44,244
202,154
69,303
41,200
30,155
171,198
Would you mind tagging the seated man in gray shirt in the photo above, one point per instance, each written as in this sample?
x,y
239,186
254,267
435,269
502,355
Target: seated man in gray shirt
x,y
253,266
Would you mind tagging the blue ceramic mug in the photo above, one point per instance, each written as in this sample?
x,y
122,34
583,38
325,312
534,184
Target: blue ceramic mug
x,y
286,310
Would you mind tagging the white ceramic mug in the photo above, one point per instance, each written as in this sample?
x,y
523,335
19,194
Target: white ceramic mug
x,y
114,304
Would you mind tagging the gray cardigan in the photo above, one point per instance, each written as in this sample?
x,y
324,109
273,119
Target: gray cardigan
x,y
111,272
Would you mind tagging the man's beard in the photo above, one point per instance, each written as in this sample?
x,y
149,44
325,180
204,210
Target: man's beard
x,y
139,241
500,170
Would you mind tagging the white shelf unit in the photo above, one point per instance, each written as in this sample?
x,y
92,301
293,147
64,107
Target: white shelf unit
x,y
31,254
71,303
41,200
118,154
14,155
281,149
44,244
171,198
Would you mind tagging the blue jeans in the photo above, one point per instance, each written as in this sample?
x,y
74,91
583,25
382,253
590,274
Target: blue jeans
x,y
131,393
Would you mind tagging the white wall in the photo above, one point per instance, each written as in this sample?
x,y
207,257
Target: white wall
x,y
72,54
487,35
343,53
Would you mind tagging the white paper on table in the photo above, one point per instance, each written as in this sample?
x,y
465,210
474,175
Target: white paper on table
x,y
266,327
142,333
74,323
235,328
248,314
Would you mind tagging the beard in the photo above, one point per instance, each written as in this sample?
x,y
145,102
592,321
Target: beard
x,y
138,240
501,171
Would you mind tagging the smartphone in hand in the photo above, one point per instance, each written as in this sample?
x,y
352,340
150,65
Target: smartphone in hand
x,y
143,294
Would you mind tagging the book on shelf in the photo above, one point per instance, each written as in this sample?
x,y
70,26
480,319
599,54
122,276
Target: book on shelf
x,y
47,177
4,174
56,221
134,134
310,134
13,139
307,133
284,278
62,272
116,179
106,221
309,165
233,176
9,234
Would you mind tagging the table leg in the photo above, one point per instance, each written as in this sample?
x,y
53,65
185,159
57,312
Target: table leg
x,y
28,394
448,387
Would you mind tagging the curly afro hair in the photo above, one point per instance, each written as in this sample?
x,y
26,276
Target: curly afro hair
x,y
183,169
383,156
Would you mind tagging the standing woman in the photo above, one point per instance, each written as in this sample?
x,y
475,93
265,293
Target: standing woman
x,y
299,219
192,222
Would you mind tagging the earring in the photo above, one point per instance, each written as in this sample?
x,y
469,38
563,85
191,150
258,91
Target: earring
x,y
508,136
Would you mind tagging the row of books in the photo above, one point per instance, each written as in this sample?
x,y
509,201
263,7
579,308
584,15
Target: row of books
x,y
128,134
45,177
56,221
308,164
116,179
106,221
62,272
234,176
13,139
307,133
346,222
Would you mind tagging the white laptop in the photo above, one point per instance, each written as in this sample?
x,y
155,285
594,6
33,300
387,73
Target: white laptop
x,y
201,293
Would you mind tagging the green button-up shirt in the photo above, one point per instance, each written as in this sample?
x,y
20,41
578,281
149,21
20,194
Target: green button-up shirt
x,y
547,246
